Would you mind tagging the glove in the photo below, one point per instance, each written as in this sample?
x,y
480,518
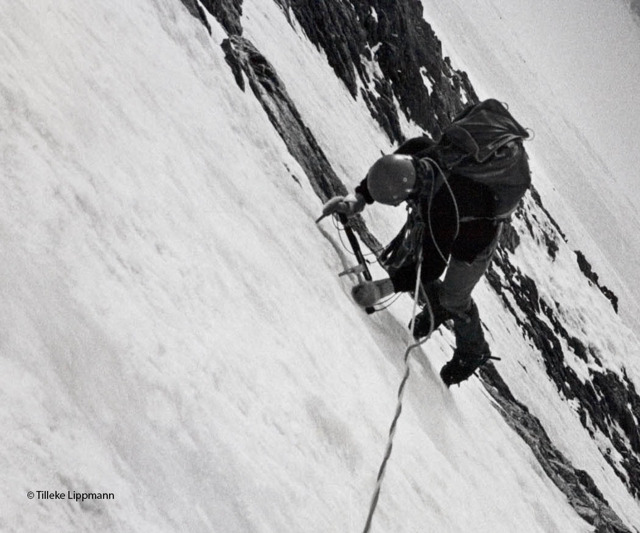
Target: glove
x,y
349,205
368,293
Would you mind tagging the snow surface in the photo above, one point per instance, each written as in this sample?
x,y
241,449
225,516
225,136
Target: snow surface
x,y
172,328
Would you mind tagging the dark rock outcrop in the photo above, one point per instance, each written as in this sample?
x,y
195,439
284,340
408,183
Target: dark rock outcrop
x,y
586,269
405,49
263,80
577,485
248,63
194,8
608,402
227,13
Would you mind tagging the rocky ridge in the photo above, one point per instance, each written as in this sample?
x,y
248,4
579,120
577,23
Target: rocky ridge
x,y
607,403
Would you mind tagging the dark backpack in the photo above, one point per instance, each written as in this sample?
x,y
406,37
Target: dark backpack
x,y
484,144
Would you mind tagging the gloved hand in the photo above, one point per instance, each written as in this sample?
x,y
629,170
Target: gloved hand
x,y
349,205
367,293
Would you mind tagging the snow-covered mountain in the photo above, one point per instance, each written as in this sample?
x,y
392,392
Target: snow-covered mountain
x,y
177,350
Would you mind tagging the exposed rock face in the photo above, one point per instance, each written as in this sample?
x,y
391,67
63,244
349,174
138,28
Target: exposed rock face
x,y
226,12
396,37
607,403
586,269
355,35
419,82
579,487
194,8
247,62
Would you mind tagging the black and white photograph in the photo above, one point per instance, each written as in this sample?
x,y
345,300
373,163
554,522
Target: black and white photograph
x,y
320,266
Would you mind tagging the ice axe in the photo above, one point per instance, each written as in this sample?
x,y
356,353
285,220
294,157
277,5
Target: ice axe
x,y
361,269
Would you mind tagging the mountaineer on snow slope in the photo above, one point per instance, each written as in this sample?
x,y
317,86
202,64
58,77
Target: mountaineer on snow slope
x,y
459,192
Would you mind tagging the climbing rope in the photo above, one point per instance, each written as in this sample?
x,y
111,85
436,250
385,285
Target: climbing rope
x,y
419,291
455,207
405,378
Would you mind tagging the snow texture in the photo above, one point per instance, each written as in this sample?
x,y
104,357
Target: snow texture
x,y
172,327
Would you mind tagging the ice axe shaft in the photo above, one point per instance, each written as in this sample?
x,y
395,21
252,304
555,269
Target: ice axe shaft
x,y
355,246
362,267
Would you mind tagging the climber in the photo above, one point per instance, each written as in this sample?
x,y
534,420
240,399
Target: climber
x,y
459,192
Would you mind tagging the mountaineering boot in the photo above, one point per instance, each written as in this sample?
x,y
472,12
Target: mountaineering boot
x,y
468,331
423,326
368,293
463,365
472,350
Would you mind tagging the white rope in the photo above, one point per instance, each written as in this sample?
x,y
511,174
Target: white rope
x,y
405,378
455,207
419,290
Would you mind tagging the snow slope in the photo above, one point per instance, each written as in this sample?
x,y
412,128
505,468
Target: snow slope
x,y
554,278
173,330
